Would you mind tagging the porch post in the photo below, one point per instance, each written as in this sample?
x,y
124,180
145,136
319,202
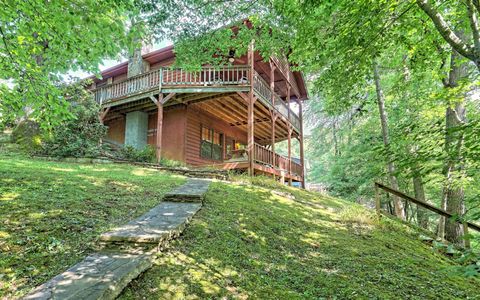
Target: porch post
x,y
158,139
289,137
272,112
250,117
274,121
302,157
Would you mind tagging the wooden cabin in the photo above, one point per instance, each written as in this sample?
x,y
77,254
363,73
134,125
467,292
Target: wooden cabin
x,y
228,117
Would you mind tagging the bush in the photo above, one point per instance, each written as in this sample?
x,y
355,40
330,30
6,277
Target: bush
x,y
28,135
130,153
79,136
171,163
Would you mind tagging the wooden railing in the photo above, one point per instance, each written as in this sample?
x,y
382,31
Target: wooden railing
x,y
131,86
423,204
263,91
265,156
207,76
284,66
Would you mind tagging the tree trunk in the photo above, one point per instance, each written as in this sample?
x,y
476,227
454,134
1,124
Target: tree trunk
x,y
422,217
397,202
453,192
335,138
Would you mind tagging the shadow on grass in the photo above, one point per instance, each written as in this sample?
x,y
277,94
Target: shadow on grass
x,y
250,243
52,213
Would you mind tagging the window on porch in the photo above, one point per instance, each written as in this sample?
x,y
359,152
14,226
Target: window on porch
x,y
211,146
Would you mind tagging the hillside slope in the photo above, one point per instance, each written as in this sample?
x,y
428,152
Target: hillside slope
x,y
250,242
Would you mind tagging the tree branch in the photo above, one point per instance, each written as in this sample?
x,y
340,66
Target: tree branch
x,y
444,29
472,15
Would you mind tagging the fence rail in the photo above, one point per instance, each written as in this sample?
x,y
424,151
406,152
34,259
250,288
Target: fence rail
x,y
423,204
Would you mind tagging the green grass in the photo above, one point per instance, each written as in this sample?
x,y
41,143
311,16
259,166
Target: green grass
x,y
53,213
270,242
248,242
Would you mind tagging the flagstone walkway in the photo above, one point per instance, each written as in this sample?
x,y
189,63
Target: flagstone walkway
x,y
129,249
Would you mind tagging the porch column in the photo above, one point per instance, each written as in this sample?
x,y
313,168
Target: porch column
x,y
272,112
158,138
289,138
250,113
136,129
300,139
274,121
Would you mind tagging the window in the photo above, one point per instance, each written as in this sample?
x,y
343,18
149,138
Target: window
x,y
211,146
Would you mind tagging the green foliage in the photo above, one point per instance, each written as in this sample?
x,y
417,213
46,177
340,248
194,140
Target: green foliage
x,y
52,213
81,134
28,135
40,41
250,242
171,163
130,153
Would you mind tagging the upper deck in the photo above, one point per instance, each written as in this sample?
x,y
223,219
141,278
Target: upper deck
x,y
206,80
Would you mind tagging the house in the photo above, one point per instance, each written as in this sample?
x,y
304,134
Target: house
x,y
228,117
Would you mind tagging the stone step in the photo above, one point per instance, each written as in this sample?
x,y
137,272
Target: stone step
x,y
163,222
193,191
103,275
98,276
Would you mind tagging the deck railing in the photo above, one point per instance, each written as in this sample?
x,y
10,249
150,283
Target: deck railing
x,y
265,156
205,77
131,86
263,91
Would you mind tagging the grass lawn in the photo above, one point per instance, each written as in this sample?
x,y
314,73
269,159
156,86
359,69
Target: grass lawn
x,y
248,242
52,213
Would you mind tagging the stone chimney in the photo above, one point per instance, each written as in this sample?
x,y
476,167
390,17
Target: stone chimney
x,y
136,64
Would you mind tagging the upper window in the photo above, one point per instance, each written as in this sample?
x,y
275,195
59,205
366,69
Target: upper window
x,y
211,146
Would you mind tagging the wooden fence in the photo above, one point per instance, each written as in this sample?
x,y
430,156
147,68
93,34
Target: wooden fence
x,y
423,204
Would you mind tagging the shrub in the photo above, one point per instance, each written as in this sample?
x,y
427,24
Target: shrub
x,y
28,135
171,163
130,153
79,136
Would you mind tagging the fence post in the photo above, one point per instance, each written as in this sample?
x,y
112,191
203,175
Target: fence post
x,y
377,200
465,233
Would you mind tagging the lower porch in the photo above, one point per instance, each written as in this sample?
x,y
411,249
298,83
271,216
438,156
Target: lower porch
x,y
211,130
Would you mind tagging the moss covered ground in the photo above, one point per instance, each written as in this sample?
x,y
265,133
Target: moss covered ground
x,y
53,213
253,239
251,243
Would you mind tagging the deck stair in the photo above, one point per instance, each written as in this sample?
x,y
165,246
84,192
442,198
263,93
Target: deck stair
x,y
128,250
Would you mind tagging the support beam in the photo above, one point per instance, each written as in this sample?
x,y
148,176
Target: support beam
x,y
168,97
102,114
289,138
158,138
272,112
300,138
251,102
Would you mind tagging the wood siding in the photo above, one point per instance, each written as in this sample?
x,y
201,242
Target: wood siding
x,y
116,130
173,134
197,117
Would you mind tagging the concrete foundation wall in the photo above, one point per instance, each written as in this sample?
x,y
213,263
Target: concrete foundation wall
x,y
136,126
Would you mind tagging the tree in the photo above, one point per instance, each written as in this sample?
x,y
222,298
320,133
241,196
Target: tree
x,y
462,16
397,202
42,40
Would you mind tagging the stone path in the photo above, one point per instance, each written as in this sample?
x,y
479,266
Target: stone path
x,y
165,221
193,191
105,274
